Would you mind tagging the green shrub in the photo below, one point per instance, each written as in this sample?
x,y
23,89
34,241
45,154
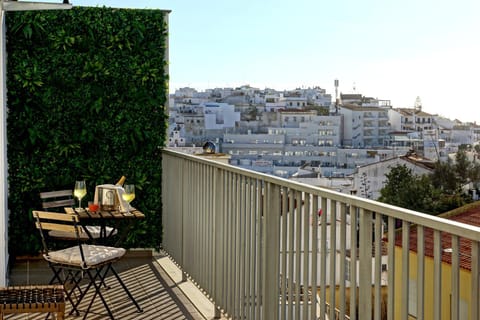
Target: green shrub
x,y
87,98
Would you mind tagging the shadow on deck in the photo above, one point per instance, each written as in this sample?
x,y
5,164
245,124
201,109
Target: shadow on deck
x,y
153,280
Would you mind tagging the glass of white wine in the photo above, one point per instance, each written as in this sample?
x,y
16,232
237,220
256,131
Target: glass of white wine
x,y
80,191
129,194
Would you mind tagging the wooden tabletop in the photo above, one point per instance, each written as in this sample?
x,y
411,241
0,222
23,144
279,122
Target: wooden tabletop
x,y
85,214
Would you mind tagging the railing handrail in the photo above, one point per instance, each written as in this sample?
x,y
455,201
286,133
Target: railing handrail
x,y
249,239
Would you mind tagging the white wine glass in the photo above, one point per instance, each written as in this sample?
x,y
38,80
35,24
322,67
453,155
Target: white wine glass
x,y
129,194
80,191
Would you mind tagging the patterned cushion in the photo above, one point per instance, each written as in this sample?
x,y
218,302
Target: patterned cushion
x,y
94,232
94,255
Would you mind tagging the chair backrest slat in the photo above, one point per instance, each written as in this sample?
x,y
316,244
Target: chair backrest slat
x,y
56,221
56,227
56,216
57,199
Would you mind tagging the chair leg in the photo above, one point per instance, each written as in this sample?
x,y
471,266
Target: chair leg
x,y
98,274
97,280
71,276
76,285
125,288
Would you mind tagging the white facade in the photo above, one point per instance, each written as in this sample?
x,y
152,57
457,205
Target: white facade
x,y
274,102
185,92
364,126
371,178
295,102
175,139
410,119
220,115
293,118
463,134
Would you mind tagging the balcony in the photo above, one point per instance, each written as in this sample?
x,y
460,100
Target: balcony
x,y
257,247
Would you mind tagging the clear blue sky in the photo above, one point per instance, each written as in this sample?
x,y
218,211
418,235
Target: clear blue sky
x,y
394,50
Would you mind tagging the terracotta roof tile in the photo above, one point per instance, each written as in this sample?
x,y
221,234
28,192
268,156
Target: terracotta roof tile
x,y
469,216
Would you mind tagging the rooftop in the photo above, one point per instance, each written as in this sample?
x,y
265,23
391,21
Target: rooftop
x,y
469,214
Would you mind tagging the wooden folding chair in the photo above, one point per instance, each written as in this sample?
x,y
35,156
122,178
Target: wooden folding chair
x,y
61,201
74,263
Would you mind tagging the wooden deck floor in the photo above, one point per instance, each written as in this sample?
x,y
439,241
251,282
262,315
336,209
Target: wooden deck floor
x,y
155,291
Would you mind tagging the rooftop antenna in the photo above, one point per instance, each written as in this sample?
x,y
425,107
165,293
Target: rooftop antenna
x,y
337,100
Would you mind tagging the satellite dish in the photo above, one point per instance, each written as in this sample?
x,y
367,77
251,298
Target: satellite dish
x,y
209,147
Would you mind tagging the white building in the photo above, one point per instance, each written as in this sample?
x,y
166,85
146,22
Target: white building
x,y
410,119
364,126
220,115
370,179
293,118
275,101
175,139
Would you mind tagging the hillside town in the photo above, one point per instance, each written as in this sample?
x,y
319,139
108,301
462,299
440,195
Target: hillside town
x,y
346,142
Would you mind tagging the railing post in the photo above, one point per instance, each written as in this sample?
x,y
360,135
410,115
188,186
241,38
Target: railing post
x,y
271,252
475,280
365,281
182,195
218,238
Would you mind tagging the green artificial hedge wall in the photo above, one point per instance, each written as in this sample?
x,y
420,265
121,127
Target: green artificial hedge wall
x,y
87,98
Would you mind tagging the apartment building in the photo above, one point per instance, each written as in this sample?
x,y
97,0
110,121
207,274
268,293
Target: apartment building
x,y
364,126
410,119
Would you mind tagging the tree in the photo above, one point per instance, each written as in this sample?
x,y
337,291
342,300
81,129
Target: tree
x,y
462,166
404,189
444,177
435,193
477,148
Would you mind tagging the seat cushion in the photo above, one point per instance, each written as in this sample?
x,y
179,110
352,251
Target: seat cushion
x,y
93,230
94,255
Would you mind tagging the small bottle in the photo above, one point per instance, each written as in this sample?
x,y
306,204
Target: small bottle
x,y
121,181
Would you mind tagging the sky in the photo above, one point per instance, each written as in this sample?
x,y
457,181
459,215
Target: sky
x,y
390,50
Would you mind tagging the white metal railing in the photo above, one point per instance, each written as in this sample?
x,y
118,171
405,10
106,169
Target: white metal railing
x,y
258,248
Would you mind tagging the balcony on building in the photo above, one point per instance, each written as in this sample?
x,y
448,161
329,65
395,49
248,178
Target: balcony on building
x,y
255,246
